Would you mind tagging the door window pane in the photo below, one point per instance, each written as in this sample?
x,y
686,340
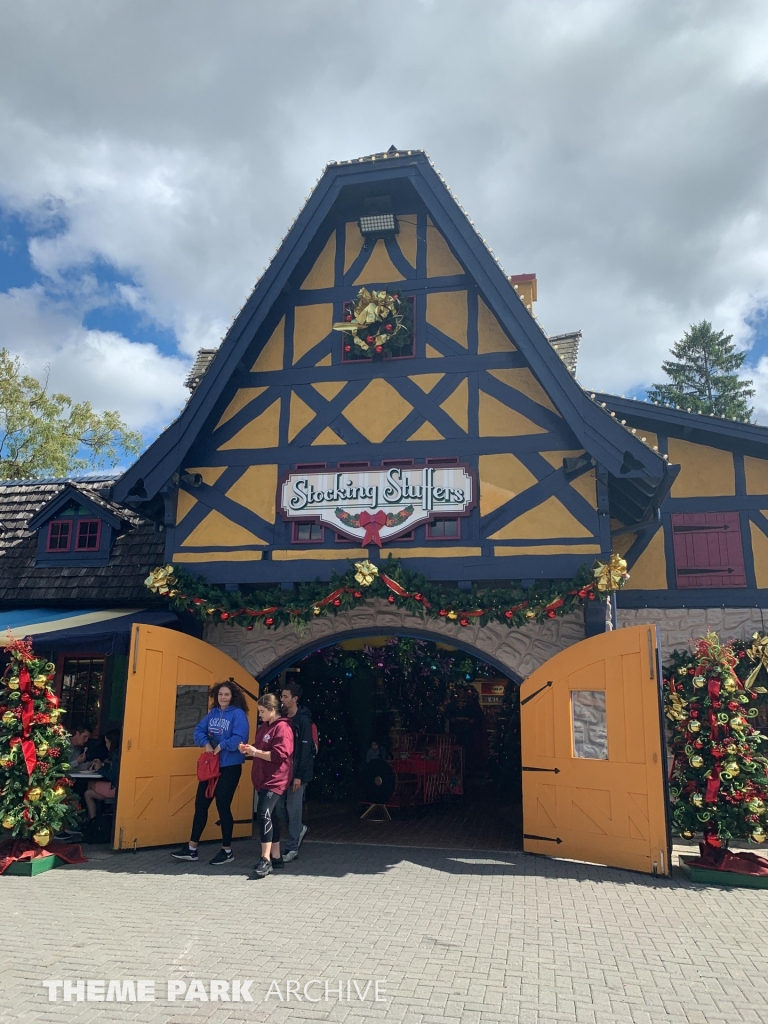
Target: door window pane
x,y
82,682
590,732
191,707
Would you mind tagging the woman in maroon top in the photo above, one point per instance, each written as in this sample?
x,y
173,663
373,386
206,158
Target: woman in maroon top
x,y
272,769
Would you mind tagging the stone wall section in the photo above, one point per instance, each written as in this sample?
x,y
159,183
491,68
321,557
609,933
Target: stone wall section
x,y
678,626
521,651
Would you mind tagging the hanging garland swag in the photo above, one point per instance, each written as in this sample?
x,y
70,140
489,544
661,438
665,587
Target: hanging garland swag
x,y
405,589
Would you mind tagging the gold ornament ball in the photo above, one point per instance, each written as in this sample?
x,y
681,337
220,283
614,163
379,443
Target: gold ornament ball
x,y
682,671
694,725
34,794
13,683
43,837
42,750
732,768
758,834
697,799
59,791
316,609
687,834
8,823
729,685
699,681
697,761
9,718
737,722
7,762
40,681
452,616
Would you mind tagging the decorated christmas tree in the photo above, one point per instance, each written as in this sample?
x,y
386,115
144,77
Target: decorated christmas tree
x,y
327,694
35,795
719,775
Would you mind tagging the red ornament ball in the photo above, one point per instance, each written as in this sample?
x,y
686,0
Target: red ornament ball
x,y
370,339
582,593
379,349
591,595
463,622
269,621
336,602
691,671
357,594
391,599
347,348
551,614
389,327
443,612
417,597
742,654
348,317
508,615
224,616
249,628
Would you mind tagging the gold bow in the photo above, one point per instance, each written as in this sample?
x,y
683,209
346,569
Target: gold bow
x,y
366,573
675,710
758,652
162,581
611,575
370,308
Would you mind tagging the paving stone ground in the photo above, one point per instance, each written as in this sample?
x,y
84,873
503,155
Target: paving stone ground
x,y
457,936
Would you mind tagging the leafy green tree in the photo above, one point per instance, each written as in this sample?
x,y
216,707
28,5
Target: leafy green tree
x,y
44,434
704,375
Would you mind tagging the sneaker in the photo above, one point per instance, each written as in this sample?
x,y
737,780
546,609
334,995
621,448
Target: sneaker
x,y
68,836
222,857
289,855
303,833
263,868
185,852
277,863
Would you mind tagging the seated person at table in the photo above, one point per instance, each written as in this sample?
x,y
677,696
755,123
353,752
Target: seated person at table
x,y
104,788
81,734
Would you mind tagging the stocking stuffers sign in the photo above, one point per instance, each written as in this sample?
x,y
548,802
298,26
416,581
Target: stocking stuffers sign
x,y
373,506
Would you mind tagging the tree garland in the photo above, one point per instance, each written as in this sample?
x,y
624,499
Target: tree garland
x,y
35,791
718,778
392,582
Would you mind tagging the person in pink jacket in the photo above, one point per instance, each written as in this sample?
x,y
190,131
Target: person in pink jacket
x,y
272,770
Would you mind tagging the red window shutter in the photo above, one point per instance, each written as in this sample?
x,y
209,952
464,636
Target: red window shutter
x,y
708,550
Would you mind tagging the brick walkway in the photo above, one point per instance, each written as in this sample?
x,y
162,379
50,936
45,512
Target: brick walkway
x,y
458,936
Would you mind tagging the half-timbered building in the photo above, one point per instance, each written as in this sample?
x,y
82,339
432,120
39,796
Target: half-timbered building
x,y
469,451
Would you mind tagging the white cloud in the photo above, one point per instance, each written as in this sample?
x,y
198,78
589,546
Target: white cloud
x,y
617,149
104,368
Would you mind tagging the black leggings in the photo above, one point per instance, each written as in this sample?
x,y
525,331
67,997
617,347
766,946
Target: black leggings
x,y
269,829
225,790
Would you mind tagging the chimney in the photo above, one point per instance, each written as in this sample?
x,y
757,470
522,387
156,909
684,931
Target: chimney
x,y
525,286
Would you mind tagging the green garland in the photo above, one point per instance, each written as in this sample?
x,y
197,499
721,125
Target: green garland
x,y
392,582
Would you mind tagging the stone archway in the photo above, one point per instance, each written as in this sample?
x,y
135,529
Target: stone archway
x,y
516,652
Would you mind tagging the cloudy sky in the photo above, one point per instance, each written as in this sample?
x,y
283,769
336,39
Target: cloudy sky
x,y
153,154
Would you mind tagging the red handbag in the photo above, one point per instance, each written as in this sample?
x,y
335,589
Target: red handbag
x,y
208,770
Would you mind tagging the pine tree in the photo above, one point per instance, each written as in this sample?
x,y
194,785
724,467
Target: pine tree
x,y
35,796
705,375
719,777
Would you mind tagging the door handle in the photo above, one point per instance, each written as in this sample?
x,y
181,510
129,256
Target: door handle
x,y
536,693
136,650
555,771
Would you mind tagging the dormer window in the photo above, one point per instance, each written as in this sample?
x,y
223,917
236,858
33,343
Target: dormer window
x,y
75,528
59,535
88,535
79,531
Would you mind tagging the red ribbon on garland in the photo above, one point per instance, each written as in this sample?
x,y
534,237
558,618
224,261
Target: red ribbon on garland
x,y
27,715
395,587
713,785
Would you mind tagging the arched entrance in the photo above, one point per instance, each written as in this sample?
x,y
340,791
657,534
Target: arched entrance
x,y
441,724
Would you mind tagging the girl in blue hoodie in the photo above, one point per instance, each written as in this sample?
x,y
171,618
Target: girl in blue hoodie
x,y
221,732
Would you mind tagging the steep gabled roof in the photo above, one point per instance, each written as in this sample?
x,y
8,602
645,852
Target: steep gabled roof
x,y
639,477
89,498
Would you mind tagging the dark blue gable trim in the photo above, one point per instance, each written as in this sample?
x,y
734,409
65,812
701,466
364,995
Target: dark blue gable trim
x,y
71,493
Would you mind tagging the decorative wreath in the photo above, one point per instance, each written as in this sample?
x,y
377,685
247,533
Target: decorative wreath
x,y
378,324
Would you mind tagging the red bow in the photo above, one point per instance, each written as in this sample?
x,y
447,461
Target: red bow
x,y
713,785
372,525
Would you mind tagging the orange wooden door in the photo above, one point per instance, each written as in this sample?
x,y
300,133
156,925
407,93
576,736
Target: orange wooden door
x,y
168,677
593,755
